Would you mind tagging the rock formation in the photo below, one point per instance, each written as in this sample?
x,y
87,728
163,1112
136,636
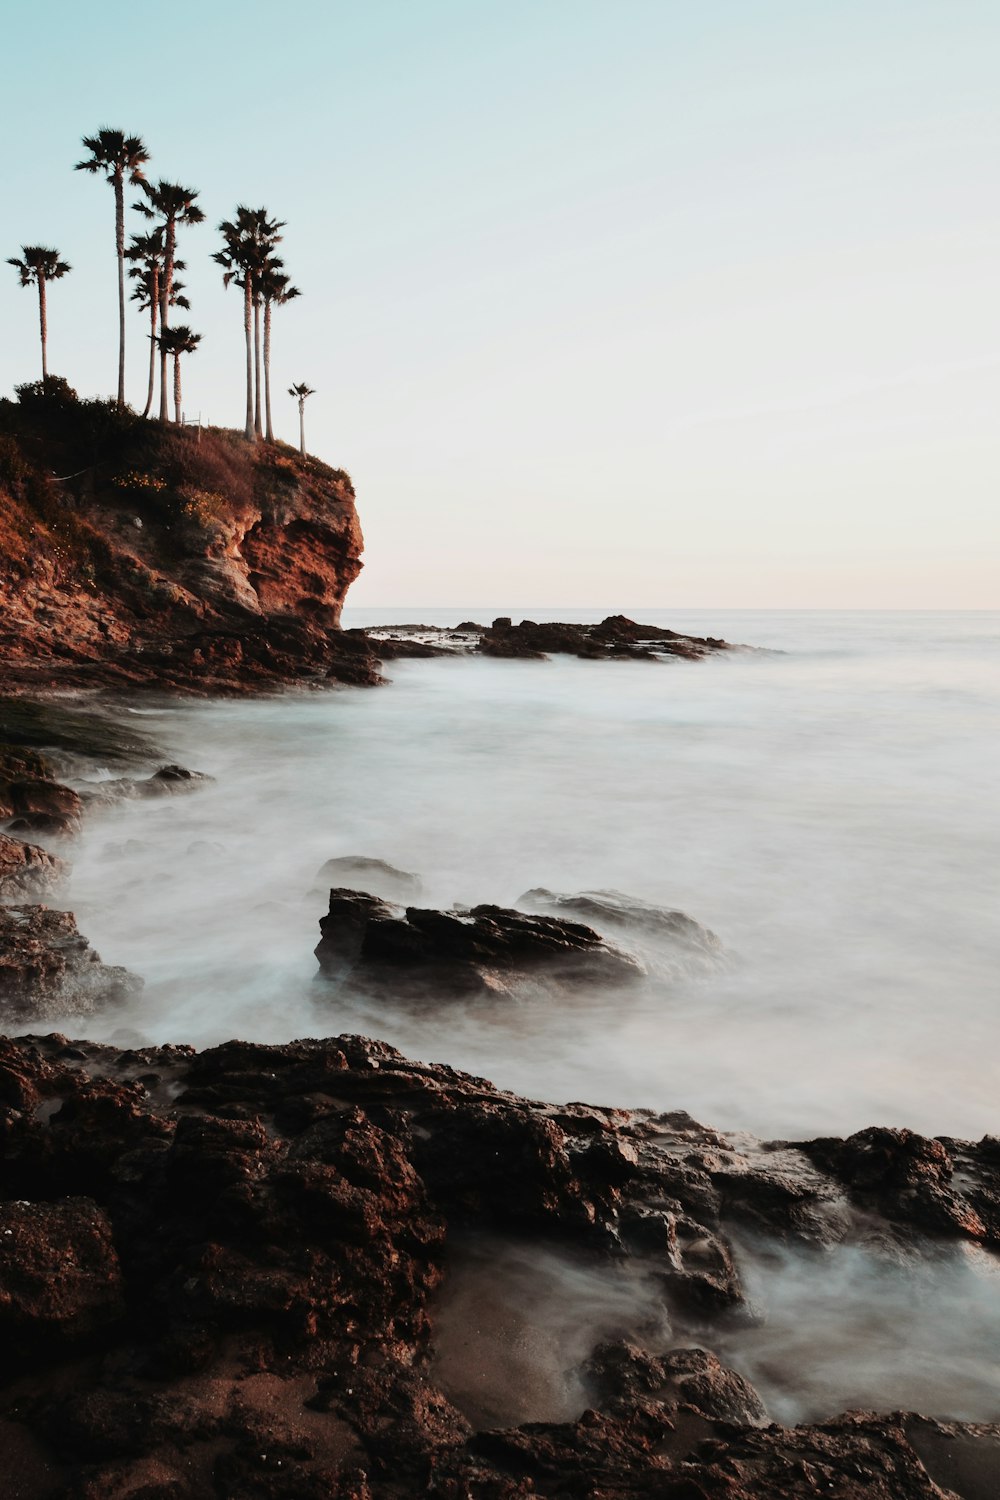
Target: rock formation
x,y
48,970
487,950
220,1274
191,561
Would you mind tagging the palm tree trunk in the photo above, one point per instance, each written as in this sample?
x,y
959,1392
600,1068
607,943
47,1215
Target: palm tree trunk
x,y
256,340
302,427
267,368
154,307
166,288
43,323
120,243
250,430
177,388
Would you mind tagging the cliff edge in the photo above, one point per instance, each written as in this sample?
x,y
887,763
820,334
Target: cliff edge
x,y
134,552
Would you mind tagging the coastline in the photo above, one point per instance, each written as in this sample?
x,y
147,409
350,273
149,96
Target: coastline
x,y
112,1131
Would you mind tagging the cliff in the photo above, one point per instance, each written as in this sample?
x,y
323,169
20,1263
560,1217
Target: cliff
x,y
132,552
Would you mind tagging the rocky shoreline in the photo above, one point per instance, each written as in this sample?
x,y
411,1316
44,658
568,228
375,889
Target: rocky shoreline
x,y
220,1275
269,1271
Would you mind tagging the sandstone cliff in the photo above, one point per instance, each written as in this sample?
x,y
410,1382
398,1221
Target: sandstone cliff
x,y
135,552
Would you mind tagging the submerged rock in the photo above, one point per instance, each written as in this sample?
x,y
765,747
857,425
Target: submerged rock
x,y
487,950
47,969
165,782
358,872
680,934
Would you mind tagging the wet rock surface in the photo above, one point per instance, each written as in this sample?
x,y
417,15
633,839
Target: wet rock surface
x,y
614,638
277,1221
49,970
28,873
693,946
485,950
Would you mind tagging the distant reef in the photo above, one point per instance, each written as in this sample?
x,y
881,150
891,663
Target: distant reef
x,y
137,553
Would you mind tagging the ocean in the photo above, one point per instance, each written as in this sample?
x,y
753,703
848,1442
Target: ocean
x,y
825,803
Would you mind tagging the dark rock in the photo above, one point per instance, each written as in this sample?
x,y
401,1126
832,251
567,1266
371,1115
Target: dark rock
x,y
358,872
48,969
615,637
278,1220
59,1275
488,950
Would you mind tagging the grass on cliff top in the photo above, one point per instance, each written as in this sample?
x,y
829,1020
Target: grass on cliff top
x,y
90,447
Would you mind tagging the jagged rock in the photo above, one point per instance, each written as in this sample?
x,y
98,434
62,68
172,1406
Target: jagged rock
x,y
48,969
615,637
358,872
281,1220
201,566
490,949
28,873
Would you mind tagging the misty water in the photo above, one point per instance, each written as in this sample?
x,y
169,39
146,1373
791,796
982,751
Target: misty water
x,y
826,805
827,808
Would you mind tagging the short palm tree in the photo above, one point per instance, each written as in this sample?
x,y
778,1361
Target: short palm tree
x,y
248,241
146,253
276,289
172,205
300,392
118,156
40,265
173,342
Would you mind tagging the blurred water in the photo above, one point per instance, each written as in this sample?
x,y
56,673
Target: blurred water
x,y
829,808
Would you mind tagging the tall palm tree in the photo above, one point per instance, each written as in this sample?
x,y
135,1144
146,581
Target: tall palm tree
x,y
248,241
300,392
146,252
40,265
276,289
172,205
174,342
118,156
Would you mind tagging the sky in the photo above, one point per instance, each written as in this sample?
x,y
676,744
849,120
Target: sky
x,y
642,304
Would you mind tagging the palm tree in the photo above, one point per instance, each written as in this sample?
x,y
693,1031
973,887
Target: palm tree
x,y
172,205
300,392
248,241
118,156
40,265
276,289
174,342
146,251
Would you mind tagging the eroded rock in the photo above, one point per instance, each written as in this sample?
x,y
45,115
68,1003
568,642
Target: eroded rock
x,y
487,950
48,969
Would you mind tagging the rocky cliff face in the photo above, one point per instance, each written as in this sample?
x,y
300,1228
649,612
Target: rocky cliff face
x,y
133,552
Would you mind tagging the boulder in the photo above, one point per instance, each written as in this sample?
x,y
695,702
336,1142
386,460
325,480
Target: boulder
x,y
487,950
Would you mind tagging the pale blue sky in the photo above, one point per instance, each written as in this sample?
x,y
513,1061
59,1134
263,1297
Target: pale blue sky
x,y
632,304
